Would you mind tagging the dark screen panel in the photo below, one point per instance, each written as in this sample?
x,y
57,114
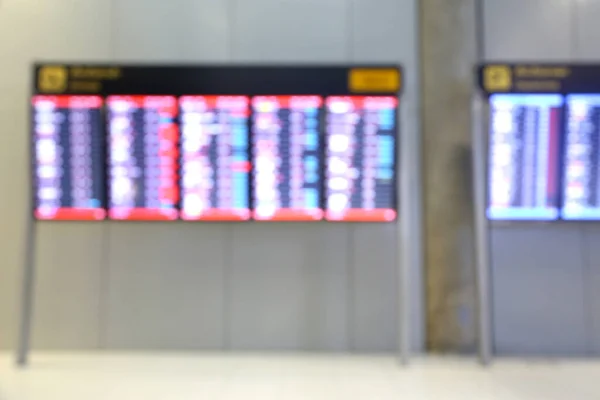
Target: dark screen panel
x,y
143,157
543,78
524,156
581,180
69,158
360,176
286,158
181,80
214,158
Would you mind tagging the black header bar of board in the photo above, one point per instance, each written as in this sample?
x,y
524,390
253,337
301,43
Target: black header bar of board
x,y
538,78
104,80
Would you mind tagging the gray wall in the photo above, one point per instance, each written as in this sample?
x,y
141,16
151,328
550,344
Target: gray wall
x,y
546,277
224,286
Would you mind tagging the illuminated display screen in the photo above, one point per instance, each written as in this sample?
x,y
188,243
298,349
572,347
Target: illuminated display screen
x,y
581,180
143,157
524,156
360,182
68,158
286,158
214,158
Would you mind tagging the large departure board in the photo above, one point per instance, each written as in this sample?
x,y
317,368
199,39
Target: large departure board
x,y
360,154
581,180
214,142
524,156
143,157
68,158
286,158
215,167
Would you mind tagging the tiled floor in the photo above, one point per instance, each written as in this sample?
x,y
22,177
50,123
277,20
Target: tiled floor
x,y
308,377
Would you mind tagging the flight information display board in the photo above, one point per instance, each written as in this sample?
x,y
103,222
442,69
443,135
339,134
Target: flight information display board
x,y
68,162
524,156
215,167
286,158
581,180
360,154
214,142
143,157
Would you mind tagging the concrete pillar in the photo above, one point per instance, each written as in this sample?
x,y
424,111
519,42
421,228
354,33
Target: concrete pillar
x,y
448,50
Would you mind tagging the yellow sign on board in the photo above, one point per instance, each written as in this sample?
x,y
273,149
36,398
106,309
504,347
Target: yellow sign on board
x,y
75,79
52,79
497,78
362,80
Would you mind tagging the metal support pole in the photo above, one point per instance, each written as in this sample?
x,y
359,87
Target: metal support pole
x,y
480,167
27,292
403,249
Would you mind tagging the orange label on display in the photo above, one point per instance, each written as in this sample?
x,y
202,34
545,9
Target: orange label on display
x,y
381,80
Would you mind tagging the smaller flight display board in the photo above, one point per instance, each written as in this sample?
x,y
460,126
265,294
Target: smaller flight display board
x,y
68,158
143,157
286,158
581,189
215,143
360,154
524,156
544,157
214,158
